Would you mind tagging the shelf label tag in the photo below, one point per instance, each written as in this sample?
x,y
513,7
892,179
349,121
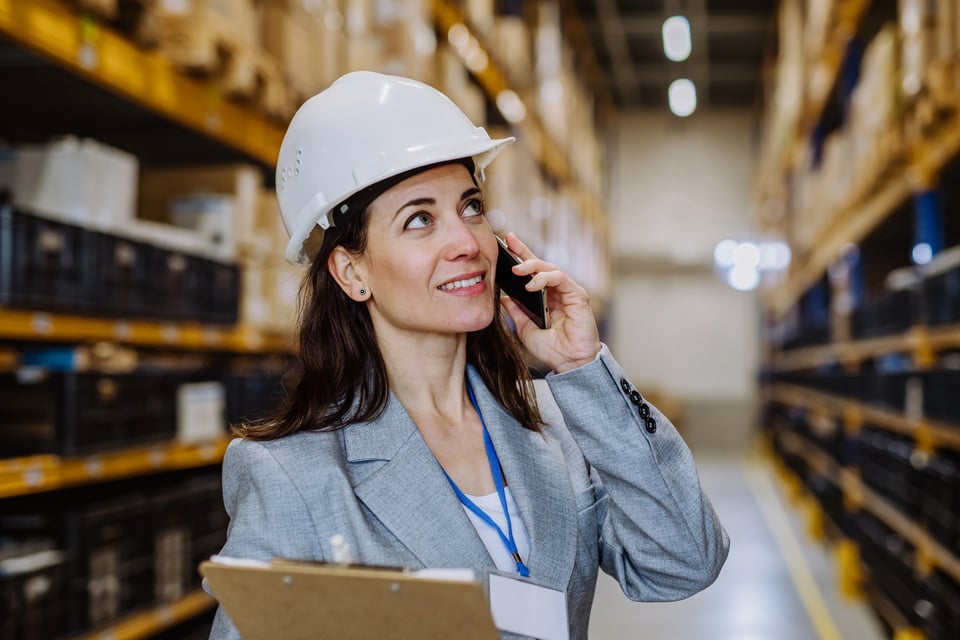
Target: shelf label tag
x,y
93,466
42,323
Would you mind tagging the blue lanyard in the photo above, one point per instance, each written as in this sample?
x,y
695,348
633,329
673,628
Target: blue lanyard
x,y
494,461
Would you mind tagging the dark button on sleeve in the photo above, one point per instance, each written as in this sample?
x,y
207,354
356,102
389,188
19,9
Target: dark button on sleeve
x,y
650,425
635,397
625,385
645,411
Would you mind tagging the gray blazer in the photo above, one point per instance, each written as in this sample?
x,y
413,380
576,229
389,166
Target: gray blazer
x,y
602,487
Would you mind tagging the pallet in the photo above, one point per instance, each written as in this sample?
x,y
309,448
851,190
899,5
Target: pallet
x,y
203,43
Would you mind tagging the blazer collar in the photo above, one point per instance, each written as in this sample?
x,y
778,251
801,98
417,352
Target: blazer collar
x,y
533,466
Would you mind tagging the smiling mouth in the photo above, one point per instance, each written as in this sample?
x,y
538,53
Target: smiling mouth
x,y
460,284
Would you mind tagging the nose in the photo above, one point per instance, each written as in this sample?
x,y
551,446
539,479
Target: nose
x,y
461,241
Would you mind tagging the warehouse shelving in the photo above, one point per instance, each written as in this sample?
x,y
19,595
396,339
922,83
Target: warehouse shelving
x,y
925,158
920,341
126,95
41,325
820,78
546,150
85,47
927,433
34,474
833,294
160,618
930,553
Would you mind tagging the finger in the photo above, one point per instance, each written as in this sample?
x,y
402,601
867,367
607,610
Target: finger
x,y
534,265
555,282
518,247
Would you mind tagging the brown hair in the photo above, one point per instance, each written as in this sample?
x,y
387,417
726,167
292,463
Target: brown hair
x,y
340,376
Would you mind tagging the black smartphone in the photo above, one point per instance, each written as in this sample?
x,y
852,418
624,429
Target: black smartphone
x,y
533,303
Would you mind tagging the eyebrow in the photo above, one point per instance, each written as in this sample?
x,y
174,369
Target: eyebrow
x,y
431,201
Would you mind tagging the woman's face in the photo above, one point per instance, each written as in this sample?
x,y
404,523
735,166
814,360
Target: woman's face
x,y
430,258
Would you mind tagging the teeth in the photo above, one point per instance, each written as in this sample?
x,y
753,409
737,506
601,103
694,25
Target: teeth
x,y
459,284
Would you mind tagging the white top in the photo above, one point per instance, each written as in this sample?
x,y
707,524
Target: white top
x,y
490,504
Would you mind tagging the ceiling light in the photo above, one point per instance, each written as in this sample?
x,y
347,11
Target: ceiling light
x,y
677,43
683,97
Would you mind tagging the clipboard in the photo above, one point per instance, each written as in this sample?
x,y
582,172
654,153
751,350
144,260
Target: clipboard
x,y
306,601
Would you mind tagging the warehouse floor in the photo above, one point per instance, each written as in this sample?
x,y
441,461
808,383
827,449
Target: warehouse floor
x,y
777,583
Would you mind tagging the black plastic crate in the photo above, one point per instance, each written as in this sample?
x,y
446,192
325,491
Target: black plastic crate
x,y
174,291
122,275
78,413
890,560
251,396
940,395
32,596
111,561
218,291
890,313
941,298
943,616
44,264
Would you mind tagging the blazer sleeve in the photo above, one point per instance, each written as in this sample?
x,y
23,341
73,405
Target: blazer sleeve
x,y
269,517
659,535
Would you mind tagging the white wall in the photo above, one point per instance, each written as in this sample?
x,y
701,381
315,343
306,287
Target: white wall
x,y
677,188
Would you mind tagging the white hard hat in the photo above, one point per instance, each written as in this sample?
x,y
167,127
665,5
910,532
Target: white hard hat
x,y
364,128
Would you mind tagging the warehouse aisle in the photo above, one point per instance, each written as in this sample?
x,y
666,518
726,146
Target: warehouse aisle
x,y
776,584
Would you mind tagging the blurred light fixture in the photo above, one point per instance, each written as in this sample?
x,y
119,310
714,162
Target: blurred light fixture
x,y
746,256
746,265
743,278
723,253
683,97
922,253
677,43
511,106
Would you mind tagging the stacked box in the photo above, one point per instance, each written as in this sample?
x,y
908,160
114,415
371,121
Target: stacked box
x,y
161,188
511,46
193,33
286,33
76,181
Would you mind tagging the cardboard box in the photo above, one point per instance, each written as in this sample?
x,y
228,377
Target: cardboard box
x,y
160,187
286,38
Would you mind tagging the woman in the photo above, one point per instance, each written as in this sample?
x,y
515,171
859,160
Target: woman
x,y
413,429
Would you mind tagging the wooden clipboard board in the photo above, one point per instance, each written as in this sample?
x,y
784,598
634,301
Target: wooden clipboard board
x,y
303,601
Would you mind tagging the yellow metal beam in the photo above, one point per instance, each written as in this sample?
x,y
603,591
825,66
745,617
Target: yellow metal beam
x,y
39,325
149,623
35,474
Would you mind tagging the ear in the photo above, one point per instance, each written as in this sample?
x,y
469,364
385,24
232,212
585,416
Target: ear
x,y
342,265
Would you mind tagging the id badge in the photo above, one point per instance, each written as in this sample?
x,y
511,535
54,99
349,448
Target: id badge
x,y
521,606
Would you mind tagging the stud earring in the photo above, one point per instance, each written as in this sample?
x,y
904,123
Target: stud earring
x,y
363,292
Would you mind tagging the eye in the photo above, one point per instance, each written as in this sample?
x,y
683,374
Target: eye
x,y
419,220
473,207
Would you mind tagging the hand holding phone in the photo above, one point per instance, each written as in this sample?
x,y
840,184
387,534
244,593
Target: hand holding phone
x,y
533,303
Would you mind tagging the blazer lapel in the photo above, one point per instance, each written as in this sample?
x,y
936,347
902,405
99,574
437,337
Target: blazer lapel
x,y
536,474
408,492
